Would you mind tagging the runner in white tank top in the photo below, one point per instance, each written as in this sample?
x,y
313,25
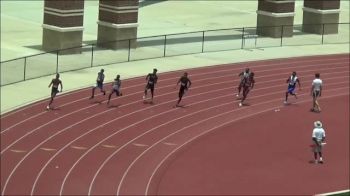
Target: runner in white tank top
x,y
316,91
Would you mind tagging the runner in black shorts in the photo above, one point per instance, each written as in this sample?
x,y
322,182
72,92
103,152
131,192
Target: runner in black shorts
x,y
185,84
151,82
99,83
115,88
54,90
248,84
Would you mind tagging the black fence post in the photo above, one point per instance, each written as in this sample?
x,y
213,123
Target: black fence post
x,y
242,45
203,42
164,45
25,67
129,49
282,35
57,61
92,55
322,33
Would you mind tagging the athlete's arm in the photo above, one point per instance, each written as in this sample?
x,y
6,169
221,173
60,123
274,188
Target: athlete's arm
x,y
189,83
312,89
148,76
298,81
155,79
178,82
320,90
61,84
50,83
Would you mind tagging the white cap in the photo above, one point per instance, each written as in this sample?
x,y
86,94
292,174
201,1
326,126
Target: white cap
x,y
318,124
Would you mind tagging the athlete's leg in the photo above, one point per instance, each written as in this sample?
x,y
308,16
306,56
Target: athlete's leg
x,y
245,93
109,96
239,89
152,92
93,92
181,93
102,90
146,89
53,95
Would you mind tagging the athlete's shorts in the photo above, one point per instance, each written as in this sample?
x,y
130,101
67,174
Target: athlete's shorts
x,y
182,90
54,90
150,86
116,91
99,85
291,89
316,93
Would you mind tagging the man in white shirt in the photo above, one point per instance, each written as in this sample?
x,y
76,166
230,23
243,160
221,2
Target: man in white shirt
x,y
316,91
318,137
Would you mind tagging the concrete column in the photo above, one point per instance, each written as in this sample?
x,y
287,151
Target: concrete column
x,y
117,20
317,13
63,25
275,13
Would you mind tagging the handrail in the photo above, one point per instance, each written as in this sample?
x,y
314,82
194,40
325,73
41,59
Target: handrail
x,y
240,35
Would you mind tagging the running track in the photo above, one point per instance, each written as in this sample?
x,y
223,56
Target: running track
x,y
84,147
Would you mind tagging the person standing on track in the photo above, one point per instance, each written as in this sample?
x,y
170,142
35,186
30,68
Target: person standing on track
x,y
115,88
185,84
316,91
55,82
292,81
248,84
318,137
151,79
244,74
99,83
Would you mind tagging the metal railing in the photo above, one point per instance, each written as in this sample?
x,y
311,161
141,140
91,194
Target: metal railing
x,y
98,54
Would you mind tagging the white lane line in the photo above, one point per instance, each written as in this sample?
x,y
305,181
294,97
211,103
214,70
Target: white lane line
x,y
139,145
126,144
49,138
198,122
79,147
113,120
18,151
163,125
169,143
48,149
96,114
252,64
333,193
139,85
108,146
219,126
38,128
28,133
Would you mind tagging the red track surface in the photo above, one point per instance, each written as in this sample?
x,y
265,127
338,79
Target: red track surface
x,y
210,146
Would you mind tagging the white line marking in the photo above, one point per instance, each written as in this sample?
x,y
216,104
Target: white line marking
x,y
290,61
76,111
139,85
44,112
173,151
333,193
103,140
139,145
